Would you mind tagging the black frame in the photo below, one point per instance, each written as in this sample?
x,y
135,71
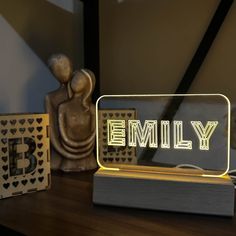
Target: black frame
x,y
91,40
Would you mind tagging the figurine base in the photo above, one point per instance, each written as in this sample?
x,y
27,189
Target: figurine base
x,y
66,165
201,195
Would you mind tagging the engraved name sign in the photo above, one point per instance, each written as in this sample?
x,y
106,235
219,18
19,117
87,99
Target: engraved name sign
x,y
163,132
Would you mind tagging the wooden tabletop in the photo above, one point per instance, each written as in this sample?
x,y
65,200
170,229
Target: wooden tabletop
x,y
67,209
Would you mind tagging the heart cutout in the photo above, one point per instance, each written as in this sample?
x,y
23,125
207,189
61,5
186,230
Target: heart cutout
x,y
15,183
24,182
40,170
39,145
39,137
4,158
6,185
4,149
33,180
5,168
22,121
13,131
5,177
31,129
40,154
39,128
13,122
40,162
30,121
41,179
39,120
22,130
4,131
4,122
4,140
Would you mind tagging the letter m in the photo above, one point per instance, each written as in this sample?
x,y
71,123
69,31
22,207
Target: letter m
x,y
142,135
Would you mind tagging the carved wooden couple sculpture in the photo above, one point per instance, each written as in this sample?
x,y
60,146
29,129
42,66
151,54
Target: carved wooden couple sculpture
x,y
72,117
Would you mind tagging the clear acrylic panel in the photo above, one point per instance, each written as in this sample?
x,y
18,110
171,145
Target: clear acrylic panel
x,y
179,134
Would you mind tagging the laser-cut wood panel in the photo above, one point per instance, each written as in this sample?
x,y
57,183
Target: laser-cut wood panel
x,y
24,154
111,154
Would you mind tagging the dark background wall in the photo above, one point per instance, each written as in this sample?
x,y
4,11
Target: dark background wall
x,y
46,27
147,45
30,32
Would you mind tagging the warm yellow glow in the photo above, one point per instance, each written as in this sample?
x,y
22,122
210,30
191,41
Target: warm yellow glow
x,y
144,135
165,131
203,133
179,142
116,132
97,140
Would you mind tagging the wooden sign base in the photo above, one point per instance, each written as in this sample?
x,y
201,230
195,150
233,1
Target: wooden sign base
x,y
214,196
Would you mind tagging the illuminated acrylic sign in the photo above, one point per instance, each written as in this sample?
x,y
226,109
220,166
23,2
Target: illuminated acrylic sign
x,y
159,133
146,136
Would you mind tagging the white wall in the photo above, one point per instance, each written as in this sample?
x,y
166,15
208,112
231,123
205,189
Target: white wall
x,y
67,5
25,79
26,43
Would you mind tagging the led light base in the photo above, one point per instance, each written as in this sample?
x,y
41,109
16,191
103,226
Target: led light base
x,y
168,192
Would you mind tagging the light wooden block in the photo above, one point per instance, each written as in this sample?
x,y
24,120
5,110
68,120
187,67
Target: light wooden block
x,y
24,154
214,196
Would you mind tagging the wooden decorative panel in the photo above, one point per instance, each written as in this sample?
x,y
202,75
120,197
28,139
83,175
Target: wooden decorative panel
x,y
24,154
112,154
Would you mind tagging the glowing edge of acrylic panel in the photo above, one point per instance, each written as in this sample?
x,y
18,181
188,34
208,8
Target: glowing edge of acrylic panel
x,y
165,95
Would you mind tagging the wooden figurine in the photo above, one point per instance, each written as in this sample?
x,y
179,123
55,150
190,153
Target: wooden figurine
x,y
72,117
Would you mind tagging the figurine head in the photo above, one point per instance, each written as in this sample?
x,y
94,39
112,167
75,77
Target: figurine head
x,y
61,67
82,84
79,83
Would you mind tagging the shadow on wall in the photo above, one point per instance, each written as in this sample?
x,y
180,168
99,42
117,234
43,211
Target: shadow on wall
x,y
45,27
25,79
38,82
3,107
30,32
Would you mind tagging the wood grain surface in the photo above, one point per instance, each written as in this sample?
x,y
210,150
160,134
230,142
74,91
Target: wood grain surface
x,y
67,209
